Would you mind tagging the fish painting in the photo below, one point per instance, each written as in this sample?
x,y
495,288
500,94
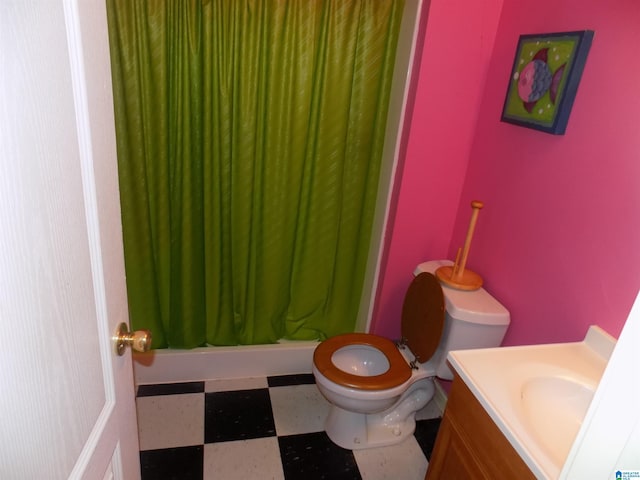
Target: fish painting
x,y
536,78
544,80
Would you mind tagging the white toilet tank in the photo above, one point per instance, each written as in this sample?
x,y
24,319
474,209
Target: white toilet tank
x,y
474,319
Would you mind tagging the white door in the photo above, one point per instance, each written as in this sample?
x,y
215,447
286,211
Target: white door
x,y
66,400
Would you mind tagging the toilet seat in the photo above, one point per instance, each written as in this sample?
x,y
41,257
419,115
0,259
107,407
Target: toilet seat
x,y
398,372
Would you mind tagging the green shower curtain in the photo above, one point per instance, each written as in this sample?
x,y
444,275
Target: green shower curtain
x,y
249,139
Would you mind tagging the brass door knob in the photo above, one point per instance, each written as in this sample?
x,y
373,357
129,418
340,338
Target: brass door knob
x,y
140,340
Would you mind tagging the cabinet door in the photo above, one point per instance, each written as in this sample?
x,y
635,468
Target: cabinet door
x,y
470,445
452,457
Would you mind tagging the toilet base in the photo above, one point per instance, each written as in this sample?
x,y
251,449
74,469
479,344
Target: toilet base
x,y
355,431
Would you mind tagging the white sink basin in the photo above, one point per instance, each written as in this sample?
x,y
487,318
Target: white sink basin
x,y
537,395
553,409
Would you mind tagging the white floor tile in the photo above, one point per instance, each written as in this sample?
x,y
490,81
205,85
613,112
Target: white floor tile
x,y
235,384
402,461
166,421
255,459
298,409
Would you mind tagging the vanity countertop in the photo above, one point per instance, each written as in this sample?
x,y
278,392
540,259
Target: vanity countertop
x,y
537,395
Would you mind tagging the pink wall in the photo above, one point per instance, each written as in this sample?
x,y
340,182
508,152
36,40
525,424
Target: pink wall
x,y
455,59
558,241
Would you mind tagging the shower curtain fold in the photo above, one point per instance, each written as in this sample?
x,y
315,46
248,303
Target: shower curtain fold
x,y
250,136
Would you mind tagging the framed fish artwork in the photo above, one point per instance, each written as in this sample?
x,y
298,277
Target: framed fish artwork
x,y
544,80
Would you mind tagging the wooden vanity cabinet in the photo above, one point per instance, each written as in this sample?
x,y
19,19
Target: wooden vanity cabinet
x,y
470,445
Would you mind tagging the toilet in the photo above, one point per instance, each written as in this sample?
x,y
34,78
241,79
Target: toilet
x,y
376,386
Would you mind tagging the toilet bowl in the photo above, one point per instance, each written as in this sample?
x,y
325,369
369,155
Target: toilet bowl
x,y
376,386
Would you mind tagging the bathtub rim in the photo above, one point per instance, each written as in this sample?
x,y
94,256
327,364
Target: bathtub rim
x,y
208,363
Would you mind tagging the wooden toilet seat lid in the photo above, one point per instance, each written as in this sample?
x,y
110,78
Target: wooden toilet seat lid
x,y
423,314
398,372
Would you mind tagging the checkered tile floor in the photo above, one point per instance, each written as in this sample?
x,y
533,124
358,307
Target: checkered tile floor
x,y
262,428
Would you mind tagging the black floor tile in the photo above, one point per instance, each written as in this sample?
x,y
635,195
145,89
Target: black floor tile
x,y
426,433
170,389
184,463
286,380
312,456
238,415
